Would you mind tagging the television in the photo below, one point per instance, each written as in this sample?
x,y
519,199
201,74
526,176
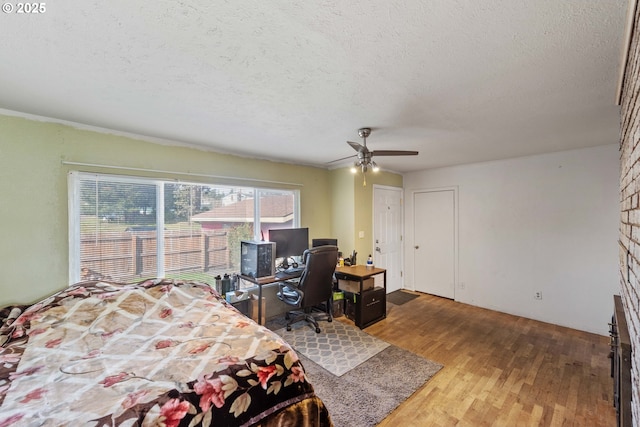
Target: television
x,y
324,242
290,242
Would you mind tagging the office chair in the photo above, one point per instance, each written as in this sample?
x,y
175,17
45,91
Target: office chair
x,y
314,288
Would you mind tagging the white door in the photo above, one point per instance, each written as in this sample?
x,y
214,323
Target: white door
x,y
434,242
387,234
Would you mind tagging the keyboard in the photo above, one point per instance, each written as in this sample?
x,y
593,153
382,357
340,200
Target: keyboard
x,y
289,273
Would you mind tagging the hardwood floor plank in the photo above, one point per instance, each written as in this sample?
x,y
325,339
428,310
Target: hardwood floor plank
x,y
499,369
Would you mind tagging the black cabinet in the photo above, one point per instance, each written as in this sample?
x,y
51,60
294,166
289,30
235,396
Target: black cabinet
x,y
620,364
366,306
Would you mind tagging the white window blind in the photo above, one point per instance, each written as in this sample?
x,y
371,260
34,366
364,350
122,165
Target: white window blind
x,y
127,228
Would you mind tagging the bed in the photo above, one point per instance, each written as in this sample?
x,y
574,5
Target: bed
x,y
153,353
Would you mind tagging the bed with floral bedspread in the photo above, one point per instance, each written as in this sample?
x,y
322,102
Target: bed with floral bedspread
x,y
154,353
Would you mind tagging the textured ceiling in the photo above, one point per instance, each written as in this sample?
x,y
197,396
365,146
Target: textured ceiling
x,y
458,80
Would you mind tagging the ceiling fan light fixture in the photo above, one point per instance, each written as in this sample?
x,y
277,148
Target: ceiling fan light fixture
x,y
363,155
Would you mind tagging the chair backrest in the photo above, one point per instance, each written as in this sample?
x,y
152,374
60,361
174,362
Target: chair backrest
x,y
316,280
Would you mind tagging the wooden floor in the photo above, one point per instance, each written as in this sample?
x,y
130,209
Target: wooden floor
x,y
499,370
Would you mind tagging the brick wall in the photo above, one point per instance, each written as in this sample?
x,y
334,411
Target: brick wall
x,y
630,209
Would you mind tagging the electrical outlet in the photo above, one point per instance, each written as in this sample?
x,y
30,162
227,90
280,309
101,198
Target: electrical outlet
x,y
461,285
537,295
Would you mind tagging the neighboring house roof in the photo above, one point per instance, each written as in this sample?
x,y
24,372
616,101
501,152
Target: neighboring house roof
x,y
276,209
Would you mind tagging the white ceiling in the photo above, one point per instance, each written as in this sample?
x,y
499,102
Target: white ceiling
x,y
458,80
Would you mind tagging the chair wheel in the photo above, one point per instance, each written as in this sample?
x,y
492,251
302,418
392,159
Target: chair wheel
x,y
288,328
317,330
330,319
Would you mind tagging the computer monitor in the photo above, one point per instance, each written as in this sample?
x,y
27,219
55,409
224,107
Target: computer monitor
x,y
290,242
324,242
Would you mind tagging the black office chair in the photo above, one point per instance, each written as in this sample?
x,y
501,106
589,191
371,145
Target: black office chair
x,y
314,289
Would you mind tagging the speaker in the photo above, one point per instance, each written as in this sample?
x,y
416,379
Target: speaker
x,y
257,259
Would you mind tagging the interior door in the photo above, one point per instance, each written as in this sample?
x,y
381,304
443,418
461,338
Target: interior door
x,y
387,234
434,242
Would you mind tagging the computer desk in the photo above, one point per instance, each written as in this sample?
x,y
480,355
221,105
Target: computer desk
x,y
267,280
370,305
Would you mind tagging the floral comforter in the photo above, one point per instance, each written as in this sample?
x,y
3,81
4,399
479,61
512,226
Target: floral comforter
x,y
155,353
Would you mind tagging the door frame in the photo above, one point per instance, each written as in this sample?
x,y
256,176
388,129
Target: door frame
x,y
402,228
456,281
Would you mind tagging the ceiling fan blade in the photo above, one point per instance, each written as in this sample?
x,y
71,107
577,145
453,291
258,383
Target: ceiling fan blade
x,y
356,146
344,158
393,153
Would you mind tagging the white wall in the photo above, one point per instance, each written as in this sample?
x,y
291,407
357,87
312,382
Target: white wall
x,y
540,223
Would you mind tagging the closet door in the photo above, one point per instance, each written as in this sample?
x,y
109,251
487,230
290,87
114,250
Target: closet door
x,y
434,242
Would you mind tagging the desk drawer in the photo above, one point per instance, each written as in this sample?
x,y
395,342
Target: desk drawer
x,y
368,308
372,306
353,286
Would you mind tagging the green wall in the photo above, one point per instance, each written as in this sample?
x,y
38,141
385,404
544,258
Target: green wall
x,y
33,185
343,207
353,208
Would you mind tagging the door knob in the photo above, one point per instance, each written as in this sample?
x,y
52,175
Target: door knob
x,y
417,247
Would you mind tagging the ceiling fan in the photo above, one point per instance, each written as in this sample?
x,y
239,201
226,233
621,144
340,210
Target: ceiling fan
x,y
365,156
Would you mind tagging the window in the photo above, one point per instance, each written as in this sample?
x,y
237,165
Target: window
x,y
128,229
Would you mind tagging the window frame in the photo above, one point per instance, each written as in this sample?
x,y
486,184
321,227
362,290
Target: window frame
x,y
75,177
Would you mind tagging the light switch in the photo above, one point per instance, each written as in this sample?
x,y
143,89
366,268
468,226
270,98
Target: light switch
x,y
361,234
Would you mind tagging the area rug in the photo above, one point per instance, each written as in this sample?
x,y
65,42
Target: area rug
x,y
365,395
400,297
338,348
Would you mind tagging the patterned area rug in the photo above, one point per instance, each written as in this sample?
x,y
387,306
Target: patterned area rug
x,y
365,395
338,348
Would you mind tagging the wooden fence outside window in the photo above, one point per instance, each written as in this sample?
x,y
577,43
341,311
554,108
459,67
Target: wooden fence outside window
x,y
131,255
